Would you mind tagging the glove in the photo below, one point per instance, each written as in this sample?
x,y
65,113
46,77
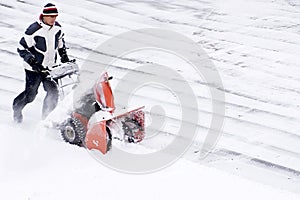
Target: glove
x,y
31,61
63,55
64,58
39,68
35,65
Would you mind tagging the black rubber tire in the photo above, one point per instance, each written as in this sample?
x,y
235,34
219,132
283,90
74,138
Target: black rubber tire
x,y
109,139
73,131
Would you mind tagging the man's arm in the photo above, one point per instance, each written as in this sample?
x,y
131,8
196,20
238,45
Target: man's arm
x,y
62,49
26,43
23,49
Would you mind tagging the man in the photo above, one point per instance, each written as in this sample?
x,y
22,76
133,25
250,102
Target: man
x,y
39,47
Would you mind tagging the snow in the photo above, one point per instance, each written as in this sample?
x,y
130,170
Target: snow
x,y
254,46
45,169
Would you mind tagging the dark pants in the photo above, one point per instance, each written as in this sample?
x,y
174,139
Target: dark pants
x,y
33,81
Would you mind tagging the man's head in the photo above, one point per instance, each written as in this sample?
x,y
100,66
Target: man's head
x,y
49,14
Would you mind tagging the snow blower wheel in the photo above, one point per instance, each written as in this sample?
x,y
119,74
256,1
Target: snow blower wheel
x,y
109,139
73,131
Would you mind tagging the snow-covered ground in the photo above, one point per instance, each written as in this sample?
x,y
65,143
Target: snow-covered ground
x,y
254,46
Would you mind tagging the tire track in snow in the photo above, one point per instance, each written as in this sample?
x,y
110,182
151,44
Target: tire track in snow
x,y
259,162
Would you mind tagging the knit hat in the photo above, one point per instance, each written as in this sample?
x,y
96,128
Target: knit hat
x,y
49,9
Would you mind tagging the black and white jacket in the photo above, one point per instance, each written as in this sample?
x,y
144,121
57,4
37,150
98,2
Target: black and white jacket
x,y
41,41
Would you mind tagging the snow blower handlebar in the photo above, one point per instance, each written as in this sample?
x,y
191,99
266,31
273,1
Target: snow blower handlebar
x,y
65,69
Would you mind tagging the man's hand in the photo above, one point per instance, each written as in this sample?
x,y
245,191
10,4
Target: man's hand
x,y
38,67
35,65
63,56
41,69
31,61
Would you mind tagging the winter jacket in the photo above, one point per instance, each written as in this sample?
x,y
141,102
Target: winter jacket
x,y
42,42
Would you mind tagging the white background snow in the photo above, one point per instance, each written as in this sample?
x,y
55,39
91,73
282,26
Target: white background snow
x,y
254,45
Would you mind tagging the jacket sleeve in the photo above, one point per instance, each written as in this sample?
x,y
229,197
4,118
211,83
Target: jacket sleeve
x,y
61,41
62,49
24,45
27,43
